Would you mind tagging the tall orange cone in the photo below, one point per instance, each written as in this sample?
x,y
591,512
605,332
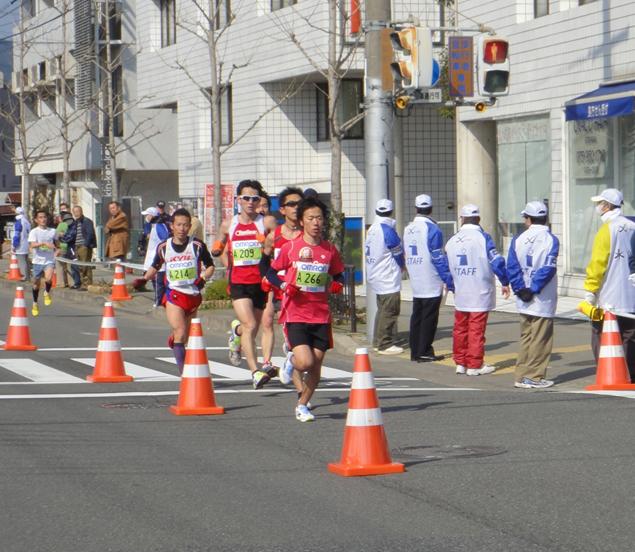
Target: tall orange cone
x,y
119,291
18,335
612,373
14,269
109,367
196,395
54,279
365,450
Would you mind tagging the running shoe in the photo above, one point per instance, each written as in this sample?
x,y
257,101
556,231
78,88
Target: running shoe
x,y
47,299
528,383
482,371
286,373
460,369
270,369
259,378
303,414
34,310
171,341
234,345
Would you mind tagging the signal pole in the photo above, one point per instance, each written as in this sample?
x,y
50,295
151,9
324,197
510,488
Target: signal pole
x,y
378,123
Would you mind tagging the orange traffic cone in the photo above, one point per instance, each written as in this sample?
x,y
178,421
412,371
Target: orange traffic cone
x,y
54,279
365,450
14,269
18,335
196,395
119,291
109,367
612,373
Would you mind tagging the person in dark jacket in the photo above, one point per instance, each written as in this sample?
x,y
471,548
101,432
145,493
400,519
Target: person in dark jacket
x,y
81,239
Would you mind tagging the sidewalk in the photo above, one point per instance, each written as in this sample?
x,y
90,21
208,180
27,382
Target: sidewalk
x,y
572,365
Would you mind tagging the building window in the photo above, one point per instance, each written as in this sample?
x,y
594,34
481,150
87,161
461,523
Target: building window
x,y
583,2
223,14
226,122
348,106
279,4
168,22
113,20
541,8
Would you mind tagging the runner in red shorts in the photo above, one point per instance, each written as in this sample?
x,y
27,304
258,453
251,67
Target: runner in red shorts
x,y
313,269
183,258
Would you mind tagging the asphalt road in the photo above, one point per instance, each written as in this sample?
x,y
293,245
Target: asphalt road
x,y
488,469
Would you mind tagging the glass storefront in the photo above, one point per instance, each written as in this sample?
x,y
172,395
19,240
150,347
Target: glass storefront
x,y
524,170
601,155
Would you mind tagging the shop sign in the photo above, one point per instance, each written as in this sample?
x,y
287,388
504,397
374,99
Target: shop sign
x,y
591,148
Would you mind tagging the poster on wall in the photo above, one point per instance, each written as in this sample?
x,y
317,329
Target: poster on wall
x,y
227,202
591,148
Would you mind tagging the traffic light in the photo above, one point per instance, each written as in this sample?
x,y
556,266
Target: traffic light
x,y
493,66
413,67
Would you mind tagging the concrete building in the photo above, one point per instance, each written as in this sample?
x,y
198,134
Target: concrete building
x,y
9,182
566,130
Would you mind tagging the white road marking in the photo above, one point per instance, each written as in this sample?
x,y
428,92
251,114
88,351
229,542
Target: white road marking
x,y
227,372
57,349
623,394
36,371
216,391
327,372
139,373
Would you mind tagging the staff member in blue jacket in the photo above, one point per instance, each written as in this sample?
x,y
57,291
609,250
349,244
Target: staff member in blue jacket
x,y
428,270
20,242
384,264
531,266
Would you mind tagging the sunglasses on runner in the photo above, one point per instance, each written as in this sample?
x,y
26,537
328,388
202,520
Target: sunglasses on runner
x,y
291,204
254,198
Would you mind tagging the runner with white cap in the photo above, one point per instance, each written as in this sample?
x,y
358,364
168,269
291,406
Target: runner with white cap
x,y
473,261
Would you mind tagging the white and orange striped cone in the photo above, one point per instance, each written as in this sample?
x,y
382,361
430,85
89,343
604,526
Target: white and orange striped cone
x,y
109,366
196,394
612,373
14,269
119,291
18,335
365,450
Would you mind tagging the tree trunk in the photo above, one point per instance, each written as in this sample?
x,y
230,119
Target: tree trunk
x,y
66,179
109,106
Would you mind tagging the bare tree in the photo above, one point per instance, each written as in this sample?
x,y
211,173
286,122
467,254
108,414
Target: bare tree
x,y
339,63
214,18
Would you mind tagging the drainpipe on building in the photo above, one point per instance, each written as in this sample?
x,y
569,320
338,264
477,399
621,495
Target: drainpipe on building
x,y
378,124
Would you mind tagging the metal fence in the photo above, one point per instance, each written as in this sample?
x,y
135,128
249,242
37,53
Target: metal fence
x,y
343,308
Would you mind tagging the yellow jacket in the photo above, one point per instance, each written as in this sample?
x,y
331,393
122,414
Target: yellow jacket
x,y
599,262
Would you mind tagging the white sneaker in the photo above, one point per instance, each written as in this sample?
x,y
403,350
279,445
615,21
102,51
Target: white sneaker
x,y
392,350
460,369
303,414
286,373
482,371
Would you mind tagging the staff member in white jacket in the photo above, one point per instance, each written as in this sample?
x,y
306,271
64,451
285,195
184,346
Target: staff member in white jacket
x,y
428,270
384,264
473,261
531,267
20,242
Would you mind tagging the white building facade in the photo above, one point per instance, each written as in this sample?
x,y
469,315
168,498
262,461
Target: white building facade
x,y
567,128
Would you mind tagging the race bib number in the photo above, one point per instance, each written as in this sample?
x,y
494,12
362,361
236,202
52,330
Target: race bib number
x,y
176,275
312,277
246,253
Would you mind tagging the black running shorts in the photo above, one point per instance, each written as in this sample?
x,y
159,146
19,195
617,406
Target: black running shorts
x,y
249,291
316,336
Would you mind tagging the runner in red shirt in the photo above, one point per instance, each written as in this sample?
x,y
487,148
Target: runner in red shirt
x,y
290,229
183,258
313,269
244,235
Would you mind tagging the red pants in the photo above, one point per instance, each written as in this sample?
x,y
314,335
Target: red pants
x,y
468,338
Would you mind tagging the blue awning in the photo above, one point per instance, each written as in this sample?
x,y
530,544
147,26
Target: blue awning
x,y
609,100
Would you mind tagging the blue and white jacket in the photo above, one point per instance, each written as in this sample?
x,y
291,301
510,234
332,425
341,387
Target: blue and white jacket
x,y
426,262
21,229
531,263
384,256
474,261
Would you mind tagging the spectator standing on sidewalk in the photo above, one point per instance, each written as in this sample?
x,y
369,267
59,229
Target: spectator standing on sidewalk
x,y
81,239
117,230
473,261
608,270
384,264
60,230
20,242
428,270
531,267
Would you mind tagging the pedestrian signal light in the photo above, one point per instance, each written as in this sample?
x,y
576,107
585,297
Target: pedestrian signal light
x,y
413,65
493,66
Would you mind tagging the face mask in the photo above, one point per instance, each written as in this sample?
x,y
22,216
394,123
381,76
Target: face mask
x,y
599,209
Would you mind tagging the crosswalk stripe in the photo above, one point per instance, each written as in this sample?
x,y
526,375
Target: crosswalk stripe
x,y
139,373
36,371
327,372
227,371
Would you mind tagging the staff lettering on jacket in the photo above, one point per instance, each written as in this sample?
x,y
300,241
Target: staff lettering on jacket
x,y
465,271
